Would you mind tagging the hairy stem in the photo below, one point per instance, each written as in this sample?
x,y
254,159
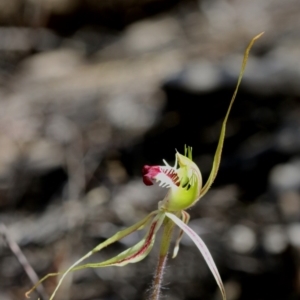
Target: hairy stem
x,y
163,254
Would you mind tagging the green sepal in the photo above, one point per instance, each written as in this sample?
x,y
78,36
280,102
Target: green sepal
x,y
116,237
217,157
133,254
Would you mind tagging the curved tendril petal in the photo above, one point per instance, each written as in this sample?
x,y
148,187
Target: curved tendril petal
x,y
218,153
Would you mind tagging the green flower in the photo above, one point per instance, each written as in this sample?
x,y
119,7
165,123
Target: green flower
x,y
184,184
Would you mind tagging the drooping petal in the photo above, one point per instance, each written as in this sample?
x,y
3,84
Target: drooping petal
x,y
202,248
118,236
131,255
185,219
123,233
135,253
217,158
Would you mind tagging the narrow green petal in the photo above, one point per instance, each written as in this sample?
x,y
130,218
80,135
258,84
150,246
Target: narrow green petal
x,y
185,219
133,254
217,158
202,248
121,234
118,236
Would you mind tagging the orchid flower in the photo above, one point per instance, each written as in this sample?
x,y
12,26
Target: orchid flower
x,y
183,182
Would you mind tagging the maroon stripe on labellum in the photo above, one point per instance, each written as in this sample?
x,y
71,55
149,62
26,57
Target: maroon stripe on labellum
x,y
173,175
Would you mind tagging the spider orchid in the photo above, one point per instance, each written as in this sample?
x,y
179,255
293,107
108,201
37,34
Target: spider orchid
x,y
184,184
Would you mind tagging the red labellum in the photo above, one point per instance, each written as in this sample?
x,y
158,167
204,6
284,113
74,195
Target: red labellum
x,y
149,174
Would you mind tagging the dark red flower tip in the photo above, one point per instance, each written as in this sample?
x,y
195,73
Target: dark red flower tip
x,y
149,173
147,180
145,169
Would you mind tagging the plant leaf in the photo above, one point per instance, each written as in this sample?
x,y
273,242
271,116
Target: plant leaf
x,y
202,248
217,158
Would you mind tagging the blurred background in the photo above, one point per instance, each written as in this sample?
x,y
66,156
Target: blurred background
x,y
93,90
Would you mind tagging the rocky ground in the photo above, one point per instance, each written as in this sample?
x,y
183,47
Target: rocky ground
x,y
90,91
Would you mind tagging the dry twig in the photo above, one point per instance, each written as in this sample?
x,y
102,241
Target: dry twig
x,y
14,247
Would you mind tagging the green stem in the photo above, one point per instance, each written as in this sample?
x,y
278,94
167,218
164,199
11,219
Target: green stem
x,y
163,254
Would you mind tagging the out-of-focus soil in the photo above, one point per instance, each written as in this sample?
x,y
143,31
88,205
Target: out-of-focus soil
x,y
91,91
